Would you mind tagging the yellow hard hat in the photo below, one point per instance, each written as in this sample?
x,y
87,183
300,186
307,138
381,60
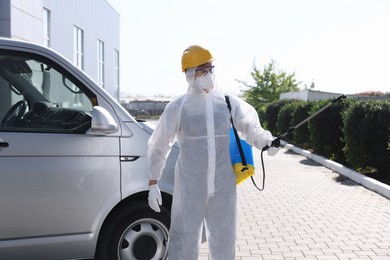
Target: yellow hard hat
x,y
194,56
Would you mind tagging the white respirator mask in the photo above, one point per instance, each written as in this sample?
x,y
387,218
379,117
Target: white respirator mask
x,y
205,82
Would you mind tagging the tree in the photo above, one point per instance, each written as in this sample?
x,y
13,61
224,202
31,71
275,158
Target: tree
x,y
268,85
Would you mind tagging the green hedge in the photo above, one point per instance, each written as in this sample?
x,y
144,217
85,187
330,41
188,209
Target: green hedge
x,y
270,117
367,136
301,136
285,117
352,132
326,134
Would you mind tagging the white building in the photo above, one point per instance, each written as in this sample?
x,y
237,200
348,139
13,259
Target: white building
x,y
309,95
86,32
312,95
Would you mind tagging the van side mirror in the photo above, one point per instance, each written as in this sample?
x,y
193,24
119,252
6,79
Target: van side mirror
x,y
102,122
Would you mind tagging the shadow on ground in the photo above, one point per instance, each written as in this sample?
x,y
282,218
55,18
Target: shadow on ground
x,y
304,161
344,180
339,178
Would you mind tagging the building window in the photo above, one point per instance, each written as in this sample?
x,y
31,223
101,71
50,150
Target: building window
x,y
46,27
116,74
78,47
100,63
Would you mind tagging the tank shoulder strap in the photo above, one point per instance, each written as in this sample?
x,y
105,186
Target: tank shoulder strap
x,y
235,132
240,147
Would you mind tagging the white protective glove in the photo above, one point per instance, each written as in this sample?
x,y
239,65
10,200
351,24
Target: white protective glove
x,y
272,150
154,197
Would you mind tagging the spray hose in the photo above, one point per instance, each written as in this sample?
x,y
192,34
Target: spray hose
x,y
276,141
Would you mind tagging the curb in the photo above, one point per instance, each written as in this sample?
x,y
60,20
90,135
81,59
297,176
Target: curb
x,y
369,183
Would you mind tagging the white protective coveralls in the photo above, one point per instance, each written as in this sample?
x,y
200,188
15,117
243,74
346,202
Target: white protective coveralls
x,y
205,183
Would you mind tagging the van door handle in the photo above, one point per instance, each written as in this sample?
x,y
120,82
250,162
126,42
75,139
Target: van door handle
x,y
4,144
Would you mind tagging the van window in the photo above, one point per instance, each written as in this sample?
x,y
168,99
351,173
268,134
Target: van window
x,y
37,96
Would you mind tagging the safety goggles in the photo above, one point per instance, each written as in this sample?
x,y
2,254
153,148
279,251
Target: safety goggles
x,y
201,71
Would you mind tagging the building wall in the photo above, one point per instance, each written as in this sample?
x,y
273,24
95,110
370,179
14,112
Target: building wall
x,y
5,18
309,95
26,20
23,19
312,95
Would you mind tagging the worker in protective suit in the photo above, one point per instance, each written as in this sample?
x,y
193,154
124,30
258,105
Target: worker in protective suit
x,y
205,183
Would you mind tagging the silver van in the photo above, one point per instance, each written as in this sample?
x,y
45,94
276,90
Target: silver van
x,y
73,174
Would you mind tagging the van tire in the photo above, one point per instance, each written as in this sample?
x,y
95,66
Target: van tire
x,y
135,232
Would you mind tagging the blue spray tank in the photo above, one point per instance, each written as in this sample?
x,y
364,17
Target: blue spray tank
x,y
243,169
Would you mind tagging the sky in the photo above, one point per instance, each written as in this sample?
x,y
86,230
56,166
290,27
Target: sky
x,y
342,46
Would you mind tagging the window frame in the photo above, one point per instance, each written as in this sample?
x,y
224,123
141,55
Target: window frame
x,y
117,73
46,27
78,47
100,63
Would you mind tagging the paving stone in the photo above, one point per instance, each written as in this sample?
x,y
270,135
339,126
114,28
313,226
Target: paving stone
x,y
308,212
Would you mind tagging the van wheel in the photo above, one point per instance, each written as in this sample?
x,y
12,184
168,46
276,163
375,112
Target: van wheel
x,y
137,232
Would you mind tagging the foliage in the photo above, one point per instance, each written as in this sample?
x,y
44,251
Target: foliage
x,y
367,135
270,117
290,115
353,132
285,119
325,129
268,84
301,135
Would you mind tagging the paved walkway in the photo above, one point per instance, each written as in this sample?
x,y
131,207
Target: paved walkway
x,y
308,212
